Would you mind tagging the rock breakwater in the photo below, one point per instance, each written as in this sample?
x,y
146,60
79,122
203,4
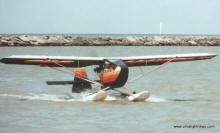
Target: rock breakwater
x,y
57,40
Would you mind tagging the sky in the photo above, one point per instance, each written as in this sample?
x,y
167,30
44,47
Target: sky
x,y
110,16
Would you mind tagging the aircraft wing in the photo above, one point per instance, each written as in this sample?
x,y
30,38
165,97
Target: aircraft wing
x,y
73,61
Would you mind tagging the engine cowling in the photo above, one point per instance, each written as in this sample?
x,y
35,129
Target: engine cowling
x,y
115,74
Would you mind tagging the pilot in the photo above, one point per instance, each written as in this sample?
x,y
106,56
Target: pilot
x,y
110,69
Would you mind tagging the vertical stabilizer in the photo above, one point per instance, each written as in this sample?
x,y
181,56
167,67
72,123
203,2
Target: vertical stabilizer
x,y
79,84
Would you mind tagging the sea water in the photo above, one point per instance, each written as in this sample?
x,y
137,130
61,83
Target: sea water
x,y
185,96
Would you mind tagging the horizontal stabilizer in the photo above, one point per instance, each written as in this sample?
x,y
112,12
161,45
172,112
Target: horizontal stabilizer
x,y
59,82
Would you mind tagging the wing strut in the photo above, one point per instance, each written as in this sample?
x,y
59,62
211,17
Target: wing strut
x,y
152,70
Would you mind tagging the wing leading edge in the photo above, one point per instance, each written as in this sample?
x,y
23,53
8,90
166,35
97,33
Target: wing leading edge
x,y
160,59
72,61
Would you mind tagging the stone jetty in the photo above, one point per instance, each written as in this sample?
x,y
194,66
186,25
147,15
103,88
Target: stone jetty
x,y
58,40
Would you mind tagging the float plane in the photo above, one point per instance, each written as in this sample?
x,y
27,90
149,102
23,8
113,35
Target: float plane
x,y
113,71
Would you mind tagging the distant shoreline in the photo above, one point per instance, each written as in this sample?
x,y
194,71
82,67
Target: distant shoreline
x,y
108,34
68,40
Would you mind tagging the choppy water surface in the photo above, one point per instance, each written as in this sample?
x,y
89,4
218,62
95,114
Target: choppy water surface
x,y
182,94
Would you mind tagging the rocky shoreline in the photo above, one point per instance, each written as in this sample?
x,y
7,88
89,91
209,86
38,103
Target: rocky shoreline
x,y
57,40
